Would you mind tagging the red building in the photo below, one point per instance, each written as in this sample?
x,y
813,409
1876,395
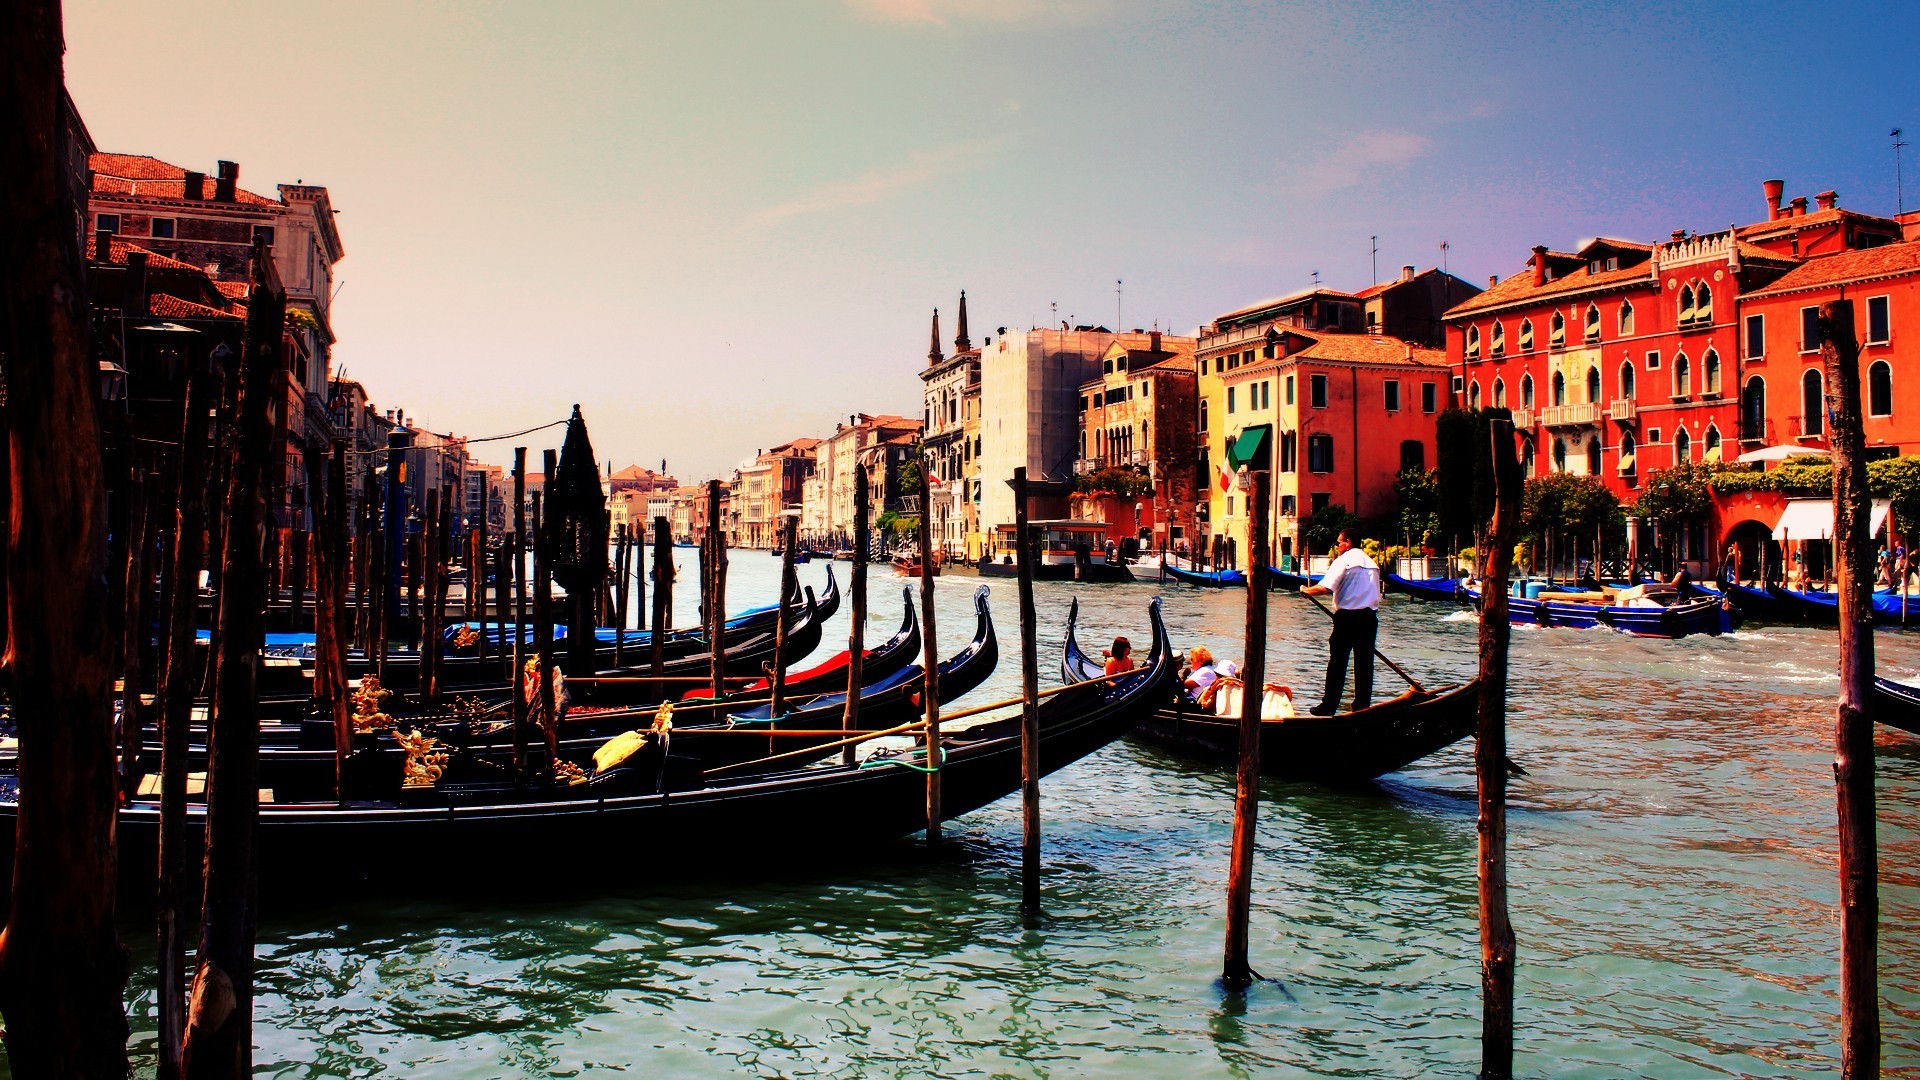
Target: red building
x,y
1137,428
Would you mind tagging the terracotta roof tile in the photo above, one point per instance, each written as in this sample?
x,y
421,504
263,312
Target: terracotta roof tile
x,y
1520,287
1818,217
1372,291
234,290
1349,349
172,307
1888,260
117,252
138,174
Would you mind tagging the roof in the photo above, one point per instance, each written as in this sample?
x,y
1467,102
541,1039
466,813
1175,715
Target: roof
x,y
172,307
1293,297
1842,267
149,177
1334,348
1831,216
236,290
117,251
1520,287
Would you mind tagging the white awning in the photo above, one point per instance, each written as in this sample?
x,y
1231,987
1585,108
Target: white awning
x,y
1812,519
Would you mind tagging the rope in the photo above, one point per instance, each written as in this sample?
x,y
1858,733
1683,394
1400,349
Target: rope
x,y
907,764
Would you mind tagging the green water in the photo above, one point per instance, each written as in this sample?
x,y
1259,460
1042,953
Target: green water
x,y
1673,892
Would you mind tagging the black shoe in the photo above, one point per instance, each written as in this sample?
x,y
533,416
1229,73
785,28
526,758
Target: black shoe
x,y
1324,710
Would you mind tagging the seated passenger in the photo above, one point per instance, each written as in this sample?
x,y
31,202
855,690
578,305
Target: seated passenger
x,y
1201,674
1120,657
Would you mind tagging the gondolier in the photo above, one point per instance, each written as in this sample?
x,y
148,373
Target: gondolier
x,y
1353,580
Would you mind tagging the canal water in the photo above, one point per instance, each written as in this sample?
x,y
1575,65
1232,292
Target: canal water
x,y
1672,867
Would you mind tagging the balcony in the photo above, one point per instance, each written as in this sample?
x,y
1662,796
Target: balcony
x,y
1585,415
1809,427
1622,410
1756,431
1522,419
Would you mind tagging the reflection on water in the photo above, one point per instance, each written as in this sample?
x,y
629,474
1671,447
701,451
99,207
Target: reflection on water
x,y
1672,873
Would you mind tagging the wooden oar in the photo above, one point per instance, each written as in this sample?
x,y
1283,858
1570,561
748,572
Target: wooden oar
x,y
1397,669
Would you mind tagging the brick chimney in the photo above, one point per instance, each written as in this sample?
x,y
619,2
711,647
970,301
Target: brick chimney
x,y
1153,341
1773,188
1492,280
226,182
1800,206
1539,265
1406,273
196,187
1827,200
102,246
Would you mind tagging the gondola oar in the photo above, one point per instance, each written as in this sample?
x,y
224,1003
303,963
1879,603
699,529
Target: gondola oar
x,y
1397,669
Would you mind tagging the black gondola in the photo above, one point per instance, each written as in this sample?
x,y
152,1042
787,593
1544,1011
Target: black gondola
x,y
1896,704
627,823
1347,748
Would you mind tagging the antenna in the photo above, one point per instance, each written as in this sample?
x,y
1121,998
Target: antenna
x,y
1316,279
1118,322
1899,185
1374,269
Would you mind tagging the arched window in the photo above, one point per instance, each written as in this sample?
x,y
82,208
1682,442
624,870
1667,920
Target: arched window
x,y
1473,394
1557,331
1526,391
1499,339
1526,456
1526,335
1499,393
1880,389
1686,305
1593,456
1593,383
1712,443
1629,466
1473,341
1682,447
1559,455
1753,409
1703,304
1626,380
1559,388
1813,404
1205,408
1593,322
1710,372
1682,376
1626,318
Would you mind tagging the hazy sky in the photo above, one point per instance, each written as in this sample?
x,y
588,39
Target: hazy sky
x,y
721,225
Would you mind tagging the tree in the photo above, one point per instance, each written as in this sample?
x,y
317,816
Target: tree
x,y
1323,528
1418,494
1115,482
1564,503
1676,497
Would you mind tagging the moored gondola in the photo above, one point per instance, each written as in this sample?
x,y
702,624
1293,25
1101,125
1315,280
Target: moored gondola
x,y
1440,590
1346,748
1208,579
1895,704
652,820
1663,617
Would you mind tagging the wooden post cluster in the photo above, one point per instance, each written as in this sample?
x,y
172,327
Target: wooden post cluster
x,y
1029,703
930,691
1239,973
1497,945
857,588
1853,762
516,678
621,551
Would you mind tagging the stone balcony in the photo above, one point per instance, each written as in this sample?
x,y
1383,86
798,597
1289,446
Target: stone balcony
x,y
1622,410
1522,419
1571,415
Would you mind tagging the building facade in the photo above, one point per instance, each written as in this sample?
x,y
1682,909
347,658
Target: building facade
x,y
1138,443
946,382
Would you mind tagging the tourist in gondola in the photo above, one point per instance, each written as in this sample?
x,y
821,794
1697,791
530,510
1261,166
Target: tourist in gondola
x,y
1353,580
1201,673
1120,657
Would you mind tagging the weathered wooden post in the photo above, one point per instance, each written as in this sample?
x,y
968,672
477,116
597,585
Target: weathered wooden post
x,y
717,590
543,631
427,566
333,578
1853,762
301,543
788,586
857,635
930,692
1494,548
133,629
662,591
621,572
220,1029
1239,974
517,678
636,551
1029,703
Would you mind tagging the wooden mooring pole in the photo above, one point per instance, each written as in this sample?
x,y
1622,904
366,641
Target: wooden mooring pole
x,y
1238,973
662,590
930,686
717,590
1029,703
623,572
857,635
1497,946
1853,726
789,585
517,678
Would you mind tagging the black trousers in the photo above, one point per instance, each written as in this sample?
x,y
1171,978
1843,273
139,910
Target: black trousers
x,y
1353,632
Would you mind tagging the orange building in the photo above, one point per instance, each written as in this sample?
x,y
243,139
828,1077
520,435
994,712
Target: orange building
x,y
1137,427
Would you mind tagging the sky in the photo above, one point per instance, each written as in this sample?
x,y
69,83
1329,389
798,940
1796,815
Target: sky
x,y
721,225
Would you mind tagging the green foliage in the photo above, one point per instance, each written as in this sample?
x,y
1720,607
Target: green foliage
x,y
898,528
910,476
1418,496
1113,482
1677,496
1564,501
1323,528
302,319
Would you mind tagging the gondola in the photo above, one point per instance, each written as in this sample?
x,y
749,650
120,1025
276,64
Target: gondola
x,y
878,662
1346,748
1208,579
1680,618
1895,704
1822,607
648,822
1760,604
1442,590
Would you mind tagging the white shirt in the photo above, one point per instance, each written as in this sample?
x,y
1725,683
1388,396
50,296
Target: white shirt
x,y
1201,678
1354,581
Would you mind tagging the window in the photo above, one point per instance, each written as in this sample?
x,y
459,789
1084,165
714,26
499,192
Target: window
x,y
1593,456
1593,383
1593,322
1753,409
1626,318
1653,436
1682,376
1628,466
1320,453
1880,389
1473,394
1458,384
1809,329
1710,373
1120,363
1526,455
1287,504
1319,500
1289,389
107,222
1526,391
1626,380
1879,321
1559,455
1317,387
1499,393
1703,305
1106,367
1687,309
1413,455
1499,339
1653,360
1219,364
1813,404
1204,410
1557,331
1756,336
1390,391
264,232
1682,447
1230,409
1473,341
1146,389
1559,388
1712,441
1289,451
1526,335
1429,397
162,228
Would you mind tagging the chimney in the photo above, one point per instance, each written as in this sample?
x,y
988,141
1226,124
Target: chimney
x,y
102,245
1492,280
1827,200
133,287
1800,206
224,184
1406,273
1153,341
1773,188
1539,265
1677,235
196,188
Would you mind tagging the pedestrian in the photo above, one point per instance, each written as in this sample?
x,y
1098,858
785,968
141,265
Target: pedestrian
x,y
1353,580
1732,567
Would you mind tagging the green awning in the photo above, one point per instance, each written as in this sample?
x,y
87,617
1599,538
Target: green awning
x,y
1250,448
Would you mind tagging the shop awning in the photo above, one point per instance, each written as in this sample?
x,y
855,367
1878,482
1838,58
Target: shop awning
x,y
1626,463
1249,449
1712,456
1812,519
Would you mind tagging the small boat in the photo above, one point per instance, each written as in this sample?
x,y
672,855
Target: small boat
x,y
1208,579
1821,607
1645,611
1444,590
878,662
1345,748
909,566
1895,704
649,818
1761,604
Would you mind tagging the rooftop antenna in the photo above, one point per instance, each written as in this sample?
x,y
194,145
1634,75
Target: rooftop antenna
x,y
1118,321
1374,269
1899,185
1054,307
1446,276
1316,279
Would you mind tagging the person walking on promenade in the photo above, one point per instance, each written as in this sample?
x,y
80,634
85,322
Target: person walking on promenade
x,y
1353,580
